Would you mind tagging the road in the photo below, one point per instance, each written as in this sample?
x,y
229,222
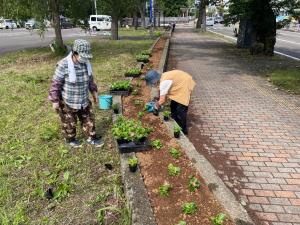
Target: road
x,y
287,43
19,39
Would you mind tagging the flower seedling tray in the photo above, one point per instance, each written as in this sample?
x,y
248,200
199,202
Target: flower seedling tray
x,y
119,92
127,147
132,75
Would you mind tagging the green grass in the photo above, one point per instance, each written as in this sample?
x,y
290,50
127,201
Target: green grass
x,y
32,152
288,79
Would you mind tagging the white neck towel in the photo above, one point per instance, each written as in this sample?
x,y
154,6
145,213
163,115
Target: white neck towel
x,y
71,68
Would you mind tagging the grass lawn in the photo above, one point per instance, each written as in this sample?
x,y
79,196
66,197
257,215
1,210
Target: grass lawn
x,y
33,156
288,79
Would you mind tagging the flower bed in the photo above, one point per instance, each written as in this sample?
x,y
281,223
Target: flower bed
x,y
178,194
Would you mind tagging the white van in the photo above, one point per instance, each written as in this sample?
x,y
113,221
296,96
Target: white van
x,y
100,22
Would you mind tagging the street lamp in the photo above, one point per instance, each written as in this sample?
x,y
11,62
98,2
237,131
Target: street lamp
x,y
95,2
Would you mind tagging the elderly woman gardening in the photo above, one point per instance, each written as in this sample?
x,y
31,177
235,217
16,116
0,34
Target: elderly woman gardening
x,y
69,94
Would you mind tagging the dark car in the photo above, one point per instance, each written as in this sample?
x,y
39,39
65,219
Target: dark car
x,y
65,23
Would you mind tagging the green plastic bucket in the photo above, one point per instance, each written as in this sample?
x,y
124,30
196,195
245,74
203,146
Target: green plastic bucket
x,y
105,101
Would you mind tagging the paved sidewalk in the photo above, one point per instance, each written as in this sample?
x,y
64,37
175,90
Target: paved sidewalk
x,y
246,128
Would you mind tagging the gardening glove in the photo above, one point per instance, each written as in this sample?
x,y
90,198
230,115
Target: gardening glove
x,y
55,106
156,109
95,98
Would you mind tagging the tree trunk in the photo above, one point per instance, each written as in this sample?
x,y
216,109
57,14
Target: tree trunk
x,y
142,9
135,20
114,27
202,16
56,23
203,27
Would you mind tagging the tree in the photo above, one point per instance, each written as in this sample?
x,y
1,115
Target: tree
x,y
172,7
261,14
46,9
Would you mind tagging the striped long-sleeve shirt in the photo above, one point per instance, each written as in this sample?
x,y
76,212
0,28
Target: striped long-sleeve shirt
x,y
75,95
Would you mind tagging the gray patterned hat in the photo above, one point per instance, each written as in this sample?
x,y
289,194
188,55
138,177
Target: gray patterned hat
x,y
83,48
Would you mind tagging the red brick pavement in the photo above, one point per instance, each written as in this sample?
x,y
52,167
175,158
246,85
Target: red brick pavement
x,y
249,131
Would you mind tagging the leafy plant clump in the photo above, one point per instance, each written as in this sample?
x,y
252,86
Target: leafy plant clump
x,y
194,184
189,208
140,114
166,113
133,72
218,219
164,190
132,162
138,102
146,52
157,144
173,170
130,130
142,58
181,222
175,153
177,128
135,92
121,86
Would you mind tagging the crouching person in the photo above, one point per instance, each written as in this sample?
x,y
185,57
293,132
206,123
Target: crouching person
x,y
69,94
176,85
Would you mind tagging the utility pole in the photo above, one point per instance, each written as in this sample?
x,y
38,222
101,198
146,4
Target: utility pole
x,y
95,2
152,15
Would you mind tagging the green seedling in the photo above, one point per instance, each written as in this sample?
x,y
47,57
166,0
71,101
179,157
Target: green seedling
x,y
166,113
181,222
146,52
164,190
138,102
194,184
133,72
130,130
175,153
157,144
142,58
115,106
138,84
218,219
177,129
173,170
132,162
121,85
189,208
140,114
135,92
63,188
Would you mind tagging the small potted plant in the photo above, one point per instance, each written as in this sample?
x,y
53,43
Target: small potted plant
x,y
133,163
166,115
115,108
177,130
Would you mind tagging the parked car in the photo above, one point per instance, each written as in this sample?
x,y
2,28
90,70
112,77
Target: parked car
x,y
31,24
219,19
210,21
65,23
100,22
7,24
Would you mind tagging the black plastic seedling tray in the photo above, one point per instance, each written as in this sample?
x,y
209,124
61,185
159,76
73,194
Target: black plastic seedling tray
x,y
128,147
124,93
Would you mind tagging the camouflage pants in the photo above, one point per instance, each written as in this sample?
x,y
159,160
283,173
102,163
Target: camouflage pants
x,y
69,118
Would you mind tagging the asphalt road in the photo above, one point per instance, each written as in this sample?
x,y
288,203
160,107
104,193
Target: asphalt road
x,y
287,43
19,39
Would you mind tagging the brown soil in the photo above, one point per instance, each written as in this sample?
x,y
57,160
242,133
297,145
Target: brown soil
x,y
154,163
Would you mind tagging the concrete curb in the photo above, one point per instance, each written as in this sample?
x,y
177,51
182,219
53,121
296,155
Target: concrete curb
x,y
224,196
134,188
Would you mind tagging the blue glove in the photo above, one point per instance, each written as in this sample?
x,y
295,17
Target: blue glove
x,y
150,106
